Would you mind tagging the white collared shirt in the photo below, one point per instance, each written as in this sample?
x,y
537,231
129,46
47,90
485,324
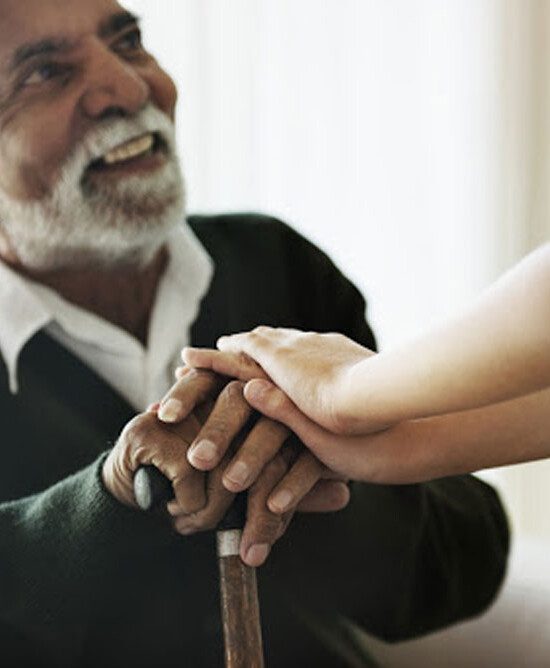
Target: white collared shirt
x,y
141,375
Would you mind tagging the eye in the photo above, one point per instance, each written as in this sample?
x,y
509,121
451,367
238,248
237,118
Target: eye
x,y
131,41
43,73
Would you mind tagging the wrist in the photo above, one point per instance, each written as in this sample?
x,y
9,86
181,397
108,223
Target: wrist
x,y
354,400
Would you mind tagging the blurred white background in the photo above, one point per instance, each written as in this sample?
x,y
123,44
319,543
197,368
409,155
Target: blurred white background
x,y
407,138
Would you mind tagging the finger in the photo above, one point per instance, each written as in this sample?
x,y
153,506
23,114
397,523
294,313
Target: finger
x,y
260,341
260,447
263,527
219,499
268,399
327,496
189,491
229,415
150,443
189,488
235,365
343,455
194,387
297,483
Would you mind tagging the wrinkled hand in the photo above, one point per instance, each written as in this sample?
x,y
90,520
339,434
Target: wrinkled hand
x,y
312,369
145,441
279,479
201,500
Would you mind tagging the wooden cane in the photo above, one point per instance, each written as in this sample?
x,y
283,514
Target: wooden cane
x,y
240,608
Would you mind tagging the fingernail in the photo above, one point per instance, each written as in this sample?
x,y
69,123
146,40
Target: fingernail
x,y
281,500
204,450
170,411
257,554
238,474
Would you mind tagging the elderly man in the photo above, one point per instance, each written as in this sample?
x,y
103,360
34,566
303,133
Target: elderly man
x,y
101,284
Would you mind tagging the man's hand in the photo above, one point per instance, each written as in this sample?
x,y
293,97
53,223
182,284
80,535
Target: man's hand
x,y
146,441
201,499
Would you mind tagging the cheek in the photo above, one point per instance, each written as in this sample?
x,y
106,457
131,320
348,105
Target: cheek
x,y
31,154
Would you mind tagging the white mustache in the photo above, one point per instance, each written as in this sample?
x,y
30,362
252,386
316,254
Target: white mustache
x,y
116,131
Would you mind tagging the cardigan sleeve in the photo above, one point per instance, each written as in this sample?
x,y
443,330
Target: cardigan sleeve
x,y
58,549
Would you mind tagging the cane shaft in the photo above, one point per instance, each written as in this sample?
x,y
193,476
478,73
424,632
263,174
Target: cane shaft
x,y
238,589
239,606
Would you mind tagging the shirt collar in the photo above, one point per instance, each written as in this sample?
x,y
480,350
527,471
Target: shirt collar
x,y
22,315
26,307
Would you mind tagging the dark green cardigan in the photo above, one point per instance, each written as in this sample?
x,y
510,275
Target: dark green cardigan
x,y
87,582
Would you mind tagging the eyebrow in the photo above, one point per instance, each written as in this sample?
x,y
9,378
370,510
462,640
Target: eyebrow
x,y
116,23
52,45
44,47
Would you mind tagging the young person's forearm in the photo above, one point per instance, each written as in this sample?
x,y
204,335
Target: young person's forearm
x,y
496,350
511,432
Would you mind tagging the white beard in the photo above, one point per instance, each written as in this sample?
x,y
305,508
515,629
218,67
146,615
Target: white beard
x,y
79,223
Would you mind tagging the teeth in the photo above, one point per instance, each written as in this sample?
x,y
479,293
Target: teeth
x,y
129,150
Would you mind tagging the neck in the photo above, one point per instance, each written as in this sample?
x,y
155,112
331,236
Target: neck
x,y
122,295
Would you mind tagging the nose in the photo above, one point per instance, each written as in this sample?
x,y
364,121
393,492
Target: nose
x,y
113,86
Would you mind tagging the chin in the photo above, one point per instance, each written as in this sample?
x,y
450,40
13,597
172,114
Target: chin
x,y
110,229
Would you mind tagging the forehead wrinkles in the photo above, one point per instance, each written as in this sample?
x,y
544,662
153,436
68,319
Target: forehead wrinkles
x,y
28,21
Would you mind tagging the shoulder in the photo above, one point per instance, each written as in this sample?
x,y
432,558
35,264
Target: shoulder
x,y
234,228
260,259
258,237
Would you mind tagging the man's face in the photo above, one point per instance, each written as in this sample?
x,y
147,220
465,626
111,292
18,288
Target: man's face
x,y
88,168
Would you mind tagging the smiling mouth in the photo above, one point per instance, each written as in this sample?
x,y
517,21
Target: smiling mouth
x,y
132,151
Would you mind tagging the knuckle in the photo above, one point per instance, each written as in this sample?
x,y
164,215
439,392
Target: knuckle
x,y
278,401
277,467
138,431
216,429
202,377
182,476
266,436
190,376
194,373
244,360
233,391
210,517
268,527
253,337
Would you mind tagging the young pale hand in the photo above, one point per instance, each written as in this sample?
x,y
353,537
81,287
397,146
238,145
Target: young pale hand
x,y
393,456
312,369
